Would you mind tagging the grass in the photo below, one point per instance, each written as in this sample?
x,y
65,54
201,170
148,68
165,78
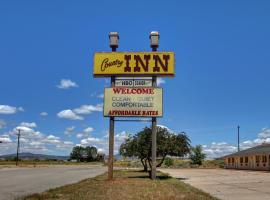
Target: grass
x,y
177,163
128,185
43,163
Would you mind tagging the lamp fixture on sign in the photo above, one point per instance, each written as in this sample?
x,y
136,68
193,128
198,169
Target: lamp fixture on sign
x,y
154,37
114,37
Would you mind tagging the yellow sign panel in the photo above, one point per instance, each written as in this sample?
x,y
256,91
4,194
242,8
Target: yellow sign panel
x,y
133,102
134,64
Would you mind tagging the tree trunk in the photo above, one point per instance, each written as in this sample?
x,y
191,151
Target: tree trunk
x,y
162,160
150,163
144,165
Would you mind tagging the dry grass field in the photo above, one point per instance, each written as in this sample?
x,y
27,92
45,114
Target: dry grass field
x,y
43,163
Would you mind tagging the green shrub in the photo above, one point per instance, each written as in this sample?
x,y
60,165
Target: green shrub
x,y
168,162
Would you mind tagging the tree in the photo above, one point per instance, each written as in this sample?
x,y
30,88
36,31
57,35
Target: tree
x,y
91,153
139,145
81,154
77,153
196,155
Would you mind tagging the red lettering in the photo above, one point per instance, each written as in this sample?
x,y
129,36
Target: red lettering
x,y
163,65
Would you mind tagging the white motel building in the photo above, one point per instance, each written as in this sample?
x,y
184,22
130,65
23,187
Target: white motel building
x,y
255,158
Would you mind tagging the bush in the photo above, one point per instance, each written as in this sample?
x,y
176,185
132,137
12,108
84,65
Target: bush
x,y
213,164
168,162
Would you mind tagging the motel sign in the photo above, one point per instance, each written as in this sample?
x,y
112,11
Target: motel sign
x,y
133,91
134,64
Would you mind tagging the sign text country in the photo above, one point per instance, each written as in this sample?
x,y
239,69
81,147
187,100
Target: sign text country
x,y
134,64
128,102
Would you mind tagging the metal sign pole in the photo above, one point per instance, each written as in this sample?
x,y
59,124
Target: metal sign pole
x,y
111,141
113,44
154,138
154,36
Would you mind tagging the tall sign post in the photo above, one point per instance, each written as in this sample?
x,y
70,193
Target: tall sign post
x,y
154,37
134,95
114,37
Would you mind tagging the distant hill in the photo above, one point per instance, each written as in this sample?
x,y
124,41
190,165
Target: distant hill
x,y
32,156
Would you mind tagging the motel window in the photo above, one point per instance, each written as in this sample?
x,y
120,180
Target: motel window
x,y
246,159
232,160
241,159
264,159
257,159
229,160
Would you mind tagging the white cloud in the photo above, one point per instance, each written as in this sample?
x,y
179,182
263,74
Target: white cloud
x,y
23,129
2,123
69,114
66,84
102,143
5,139
219,149
29,125
87,109
160,81
82,110
88,130
265,133
100,150
90,141
34,141
80,135
43,114
6,109
52,137
69,130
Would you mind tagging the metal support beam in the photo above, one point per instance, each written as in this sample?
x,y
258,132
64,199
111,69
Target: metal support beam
x,y
111,141
154,133
113,44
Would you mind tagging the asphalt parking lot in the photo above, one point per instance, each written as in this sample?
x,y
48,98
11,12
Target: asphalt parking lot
x,y
16,182
227,184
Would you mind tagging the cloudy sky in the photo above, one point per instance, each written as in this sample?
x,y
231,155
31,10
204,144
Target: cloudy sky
x,y
48,91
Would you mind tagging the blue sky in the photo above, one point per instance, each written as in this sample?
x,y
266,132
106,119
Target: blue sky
x,y
222,70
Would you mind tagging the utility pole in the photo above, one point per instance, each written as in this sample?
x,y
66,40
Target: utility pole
x,y
154,37
18,147
238,128
114,37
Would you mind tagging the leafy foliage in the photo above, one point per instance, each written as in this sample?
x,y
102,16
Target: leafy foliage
x,y
168,162
85,154
139,145
197,156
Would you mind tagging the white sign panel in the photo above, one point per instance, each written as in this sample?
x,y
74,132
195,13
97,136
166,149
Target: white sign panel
x,y
133,102
133,83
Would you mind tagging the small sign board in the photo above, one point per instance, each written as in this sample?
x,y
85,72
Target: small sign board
x,y
134,64
133,102
133,83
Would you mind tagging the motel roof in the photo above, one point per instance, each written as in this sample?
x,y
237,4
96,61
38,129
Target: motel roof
x,y
261,149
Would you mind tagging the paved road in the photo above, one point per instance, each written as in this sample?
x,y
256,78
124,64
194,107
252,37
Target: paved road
x,y
227,184
16,182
